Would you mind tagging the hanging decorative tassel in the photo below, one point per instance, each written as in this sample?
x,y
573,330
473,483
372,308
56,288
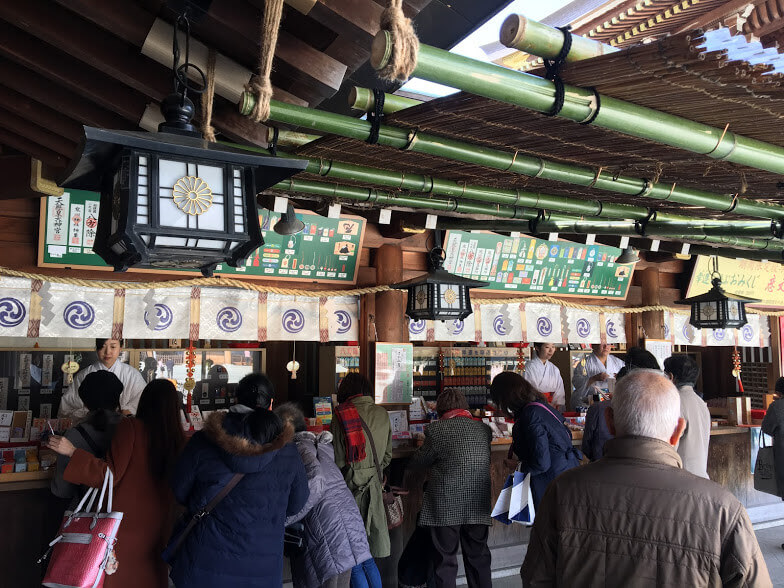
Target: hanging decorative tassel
x,y
736,368
190,363
293,365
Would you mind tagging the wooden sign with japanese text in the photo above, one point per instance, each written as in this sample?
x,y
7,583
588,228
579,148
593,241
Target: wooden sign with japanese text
x,y
745,277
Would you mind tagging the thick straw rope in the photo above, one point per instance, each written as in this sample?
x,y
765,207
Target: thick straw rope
x,y
405,44
261,86
223,282
207,130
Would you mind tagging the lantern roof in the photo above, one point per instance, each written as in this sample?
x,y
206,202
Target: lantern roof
x,y
716,294
99,147
440,276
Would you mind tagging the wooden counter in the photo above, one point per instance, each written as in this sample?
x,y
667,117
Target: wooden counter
x,y
26,480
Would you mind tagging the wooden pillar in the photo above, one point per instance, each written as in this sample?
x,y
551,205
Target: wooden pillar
x,y
367,334
652,321
390,305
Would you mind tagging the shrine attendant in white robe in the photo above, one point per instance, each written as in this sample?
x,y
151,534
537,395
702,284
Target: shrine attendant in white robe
x,y
542,374
592,377
108,350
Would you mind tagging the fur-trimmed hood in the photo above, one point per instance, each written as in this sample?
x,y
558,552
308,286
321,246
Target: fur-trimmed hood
x,y
241,454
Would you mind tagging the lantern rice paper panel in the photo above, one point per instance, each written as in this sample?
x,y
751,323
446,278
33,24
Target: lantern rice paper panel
x,y
455,330
229,314
292,318
684,333
14,306
543,323
501,323
615,327
77,312
719,337
417,330
163,313
583,326
755,333
343,317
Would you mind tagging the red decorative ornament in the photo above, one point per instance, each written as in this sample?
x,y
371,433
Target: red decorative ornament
x,y
190,363
736,368
521,360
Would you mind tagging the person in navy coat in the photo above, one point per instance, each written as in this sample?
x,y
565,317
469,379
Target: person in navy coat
x,y
540,437
240,543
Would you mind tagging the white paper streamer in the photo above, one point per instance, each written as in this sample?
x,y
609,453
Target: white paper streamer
x,y
14,306
501,322
291,318
543,323
166,316
583,326
229,314
79,312
343,315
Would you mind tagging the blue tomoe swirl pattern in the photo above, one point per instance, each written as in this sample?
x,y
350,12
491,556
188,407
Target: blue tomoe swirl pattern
x,y
79,314
688,332
344,321
499,324
457,326
293,321
719,334
416,327
583,327
12,312
543,326
229,319
611,329
165,317
747,332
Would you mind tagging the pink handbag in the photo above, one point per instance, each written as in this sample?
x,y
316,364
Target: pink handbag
x,y
85,543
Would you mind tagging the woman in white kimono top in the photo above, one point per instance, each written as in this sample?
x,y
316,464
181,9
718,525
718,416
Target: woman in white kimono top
x,y
542,374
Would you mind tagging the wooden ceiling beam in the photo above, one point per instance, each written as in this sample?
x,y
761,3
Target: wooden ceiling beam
x,y
108,54
42,115
25,145
41,90
33,132
77,76
357,19
717,15
306,64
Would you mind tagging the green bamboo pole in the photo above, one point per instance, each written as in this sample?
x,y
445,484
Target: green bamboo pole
x,y
558,222
288,138
580,104
362,99
496,196
346,126
524,34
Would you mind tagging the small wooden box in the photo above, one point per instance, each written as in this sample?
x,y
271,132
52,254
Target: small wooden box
x,y
735,410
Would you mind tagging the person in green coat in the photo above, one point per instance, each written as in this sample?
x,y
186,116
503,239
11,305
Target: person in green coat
x,y
354,455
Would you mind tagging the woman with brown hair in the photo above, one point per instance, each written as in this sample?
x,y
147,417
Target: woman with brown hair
x,y
456,502
142,455
540,438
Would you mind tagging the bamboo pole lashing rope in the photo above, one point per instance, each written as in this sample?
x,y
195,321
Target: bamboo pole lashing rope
x,y
261,85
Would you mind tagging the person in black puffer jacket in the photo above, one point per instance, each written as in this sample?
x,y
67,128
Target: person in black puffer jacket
x,y
240,543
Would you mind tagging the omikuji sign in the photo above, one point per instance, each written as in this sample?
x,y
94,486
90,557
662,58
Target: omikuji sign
x,y
743,277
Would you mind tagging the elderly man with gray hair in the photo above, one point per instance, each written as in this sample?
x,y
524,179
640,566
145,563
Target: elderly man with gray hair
x,y
636,517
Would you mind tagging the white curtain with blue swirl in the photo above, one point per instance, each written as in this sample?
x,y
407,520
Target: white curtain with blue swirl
x,y
615,327
720,337
417,330
229,314
455,330
583,326
78,312
343,316
14,306
501,322
291,318
543,323
166,314
683,333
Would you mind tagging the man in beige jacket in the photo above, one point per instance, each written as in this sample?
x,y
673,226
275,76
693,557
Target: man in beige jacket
x,y
635,517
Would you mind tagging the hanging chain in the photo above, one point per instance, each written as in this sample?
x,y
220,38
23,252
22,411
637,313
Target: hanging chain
x,y
180,72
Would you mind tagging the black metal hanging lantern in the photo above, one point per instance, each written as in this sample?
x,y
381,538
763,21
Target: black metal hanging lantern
x,y
171,199
438,295
717,309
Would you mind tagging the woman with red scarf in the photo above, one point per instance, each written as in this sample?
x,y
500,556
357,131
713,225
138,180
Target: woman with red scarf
x,y
456,502
354,454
